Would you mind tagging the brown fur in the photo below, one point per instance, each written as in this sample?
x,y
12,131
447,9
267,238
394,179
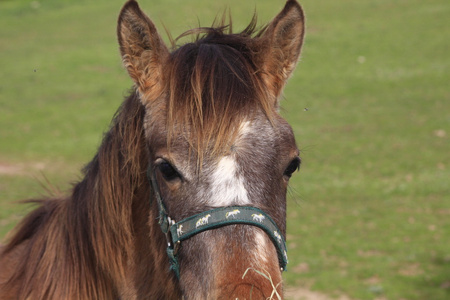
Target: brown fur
x,y
246,64
214,114
92,229
84,246
103,241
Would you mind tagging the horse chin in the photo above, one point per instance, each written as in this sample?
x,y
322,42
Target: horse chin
x,y
233,262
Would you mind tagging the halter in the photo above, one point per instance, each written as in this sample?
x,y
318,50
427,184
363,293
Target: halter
x,y
177,232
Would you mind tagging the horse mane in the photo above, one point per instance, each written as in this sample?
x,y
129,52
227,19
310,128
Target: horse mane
x,y
93,227
215,83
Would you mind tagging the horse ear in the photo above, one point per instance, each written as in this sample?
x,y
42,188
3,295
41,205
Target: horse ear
x,y
143,51
281,44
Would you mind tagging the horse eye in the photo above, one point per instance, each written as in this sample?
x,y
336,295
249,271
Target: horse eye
x,y
168,172
293,166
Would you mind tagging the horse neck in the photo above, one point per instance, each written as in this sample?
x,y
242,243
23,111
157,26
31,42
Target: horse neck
x,y
117,191
114,193
98,243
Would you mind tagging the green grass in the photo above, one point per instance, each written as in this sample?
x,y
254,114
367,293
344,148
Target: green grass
x,y
369,213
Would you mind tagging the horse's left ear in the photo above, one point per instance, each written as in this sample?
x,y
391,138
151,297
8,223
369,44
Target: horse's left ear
x,y
143,50
281,44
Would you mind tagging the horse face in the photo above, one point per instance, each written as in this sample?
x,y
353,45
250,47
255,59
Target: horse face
x,y
216,139
254,172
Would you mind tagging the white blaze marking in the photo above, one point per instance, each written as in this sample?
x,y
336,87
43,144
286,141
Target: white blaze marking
x,y
261,245
227,187
244,129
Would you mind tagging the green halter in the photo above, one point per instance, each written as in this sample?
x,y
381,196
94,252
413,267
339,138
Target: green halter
x,y
176,232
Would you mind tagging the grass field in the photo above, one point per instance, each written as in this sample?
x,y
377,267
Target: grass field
x,y
369,213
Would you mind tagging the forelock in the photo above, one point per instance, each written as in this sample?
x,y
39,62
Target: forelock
x,y
213,85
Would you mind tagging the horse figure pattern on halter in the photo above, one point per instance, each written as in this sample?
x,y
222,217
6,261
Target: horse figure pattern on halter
x,y
233,213
204,117
258,217
202,221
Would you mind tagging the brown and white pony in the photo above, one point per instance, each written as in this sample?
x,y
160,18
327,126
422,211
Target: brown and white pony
x,y
204,117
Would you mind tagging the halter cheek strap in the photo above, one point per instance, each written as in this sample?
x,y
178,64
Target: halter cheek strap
x,y
177,232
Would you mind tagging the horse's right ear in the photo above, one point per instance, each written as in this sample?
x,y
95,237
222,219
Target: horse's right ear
x,y
143,51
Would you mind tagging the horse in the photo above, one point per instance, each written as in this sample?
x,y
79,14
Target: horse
x,y
199,138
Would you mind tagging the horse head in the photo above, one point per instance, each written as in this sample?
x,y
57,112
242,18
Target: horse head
x,y
216,140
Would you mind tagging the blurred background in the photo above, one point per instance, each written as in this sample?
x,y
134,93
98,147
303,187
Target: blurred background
x,y
369,212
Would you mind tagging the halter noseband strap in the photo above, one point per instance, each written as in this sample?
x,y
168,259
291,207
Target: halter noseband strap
x,y
176,232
